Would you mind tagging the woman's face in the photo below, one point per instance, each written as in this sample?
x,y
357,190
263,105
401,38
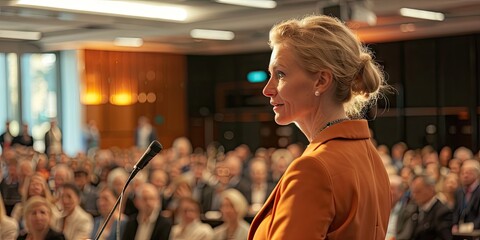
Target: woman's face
x,y
38,219
290,87
105,202
69,200
228,211
36,188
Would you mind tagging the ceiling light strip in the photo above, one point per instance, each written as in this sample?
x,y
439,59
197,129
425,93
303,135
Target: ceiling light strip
x,y
122,8
212,34
251,3
22,35
416,13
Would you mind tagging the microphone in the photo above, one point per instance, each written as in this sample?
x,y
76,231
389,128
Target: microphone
x,y
152,150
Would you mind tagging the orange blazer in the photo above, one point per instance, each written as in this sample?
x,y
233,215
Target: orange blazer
x,y
337,189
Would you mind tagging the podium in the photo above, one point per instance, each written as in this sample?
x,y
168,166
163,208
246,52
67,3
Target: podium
x,y
475,235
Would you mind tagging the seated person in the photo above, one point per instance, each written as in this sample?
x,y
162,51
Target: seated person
x,y
234,208
38,220
75,223
105,202
190,227
148,223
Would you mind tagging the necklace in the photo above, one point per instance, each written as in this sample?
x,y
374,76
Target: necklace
x,y
329,124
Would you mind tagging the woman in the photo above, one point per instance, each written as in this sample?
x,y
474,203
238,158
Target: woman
x,y
450,186
36,185
234,208
189,226
76,223
38,218
106,201
321,77
8,225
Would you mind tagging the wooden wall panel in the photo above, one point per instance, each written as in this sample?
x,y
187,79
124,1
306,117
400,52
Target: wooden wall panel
x,y
158,73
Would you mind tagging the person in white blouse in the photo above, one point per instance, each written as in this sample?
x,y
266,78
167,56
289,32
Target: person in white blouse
x,y
190,227
234,208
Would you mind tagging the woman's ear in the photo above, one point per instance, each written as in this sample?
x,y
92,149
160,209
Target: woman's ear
x,y
324,79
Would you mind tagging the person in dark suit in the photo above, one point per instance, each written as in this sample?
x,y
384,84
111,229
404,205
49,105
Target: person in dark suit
x,y
202,192
149,223
237,181
260,188
430,219
467,197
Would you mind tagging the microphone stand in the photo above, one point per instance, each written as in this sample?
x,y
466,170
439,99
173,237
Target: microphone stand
x,y
119,199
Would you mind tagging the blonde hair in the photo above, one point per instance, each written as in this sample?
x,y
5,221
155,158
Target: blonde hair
x,y
323,42
238,201
46,190
35,201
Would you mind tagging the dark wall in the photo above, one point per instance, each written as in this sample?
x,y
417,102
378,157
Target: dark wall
x,y
435,81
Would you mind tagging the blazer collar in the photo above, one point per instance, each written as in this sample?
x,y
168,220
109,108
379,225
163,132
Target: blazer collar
x,y
351,129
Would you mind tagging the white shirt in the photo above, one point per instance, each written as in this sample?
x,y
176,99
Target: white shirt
x,y
193,231
259,194
145,228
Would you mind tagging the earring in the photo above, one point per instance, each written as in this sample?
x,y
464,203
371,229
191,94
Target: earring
x,y
317,93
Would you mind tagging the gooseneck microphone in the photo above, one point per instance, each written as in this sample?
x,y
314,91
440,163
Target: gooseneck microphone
x,y
153,149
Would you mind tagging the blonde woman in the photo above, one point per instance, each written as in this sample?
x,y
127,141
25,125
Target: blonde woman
x,y
234,208
8,225
35,185
38,218
322,77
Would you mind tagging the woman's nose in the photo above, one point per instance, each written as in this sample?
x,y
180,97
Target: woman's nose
x,y
269,90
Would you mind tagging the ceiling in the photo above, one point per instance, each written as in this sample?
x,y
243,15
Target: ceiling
x,y
69,30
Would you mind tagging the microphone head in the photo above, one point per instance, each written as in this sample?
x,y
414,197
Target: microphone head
x,y
155,146
152,150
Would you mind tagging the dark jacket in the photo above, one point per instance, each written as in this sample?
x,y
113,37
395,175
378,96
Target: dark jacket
x,y
51,235
469,212
161,231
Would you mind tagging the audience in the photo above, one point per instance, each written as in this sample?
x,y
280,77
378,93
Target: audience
x,y
212,186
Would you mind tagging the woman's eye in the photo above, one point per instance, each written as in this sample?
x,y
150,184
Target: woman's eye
x,y
280,75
